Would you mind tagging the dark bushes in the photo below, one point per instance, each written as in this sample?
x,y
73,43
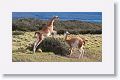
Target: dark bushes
x,y
73,26
27,24
56,45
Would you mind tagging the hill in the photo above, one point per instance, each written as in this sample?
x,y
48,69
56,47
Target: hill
x,y
73,26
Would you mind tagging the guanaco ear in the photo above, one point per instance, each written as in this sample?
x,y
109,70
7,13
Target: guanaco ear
x,y
56,17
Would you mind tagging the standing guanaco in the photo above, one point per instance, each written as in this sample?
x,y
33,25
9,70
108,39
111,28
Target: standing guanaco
x,y
75,42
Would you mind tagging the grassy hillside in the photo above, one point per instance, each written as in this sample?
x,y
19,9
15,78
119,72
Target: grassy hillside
x,y
21,53
23,37
73,26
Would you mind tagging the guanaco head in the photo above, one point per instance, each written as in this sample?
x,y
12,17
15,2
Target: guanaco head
x,y
55,17
66,33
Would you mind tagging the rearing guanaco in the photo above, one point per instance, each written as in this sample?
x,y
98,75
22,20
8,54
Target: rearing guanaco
x,y
44,32
75,42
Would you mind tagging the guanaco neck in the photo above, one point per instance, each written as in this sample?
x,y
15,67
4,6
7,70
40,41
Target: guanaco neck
x,y
66,35
50,24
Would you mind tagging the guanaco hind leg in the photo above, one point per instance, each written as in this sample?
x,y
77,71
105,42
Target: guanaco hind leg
x,y
38,44
81,52
35,44
38,41
71,51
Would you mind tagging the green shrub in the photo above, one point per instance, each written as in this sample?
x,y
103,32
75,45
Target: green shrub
x,y
55,45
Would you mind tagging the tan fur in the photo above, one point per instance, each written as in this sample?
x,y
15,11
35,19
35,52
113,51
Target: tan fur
x,y
75,42
44,32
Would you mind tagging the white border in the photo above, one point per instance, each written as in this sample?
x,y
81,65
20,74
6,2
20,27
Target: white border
x,y
104,67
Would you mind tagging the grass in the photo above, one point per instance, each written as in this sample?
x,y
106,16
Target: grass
x,y
20,53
